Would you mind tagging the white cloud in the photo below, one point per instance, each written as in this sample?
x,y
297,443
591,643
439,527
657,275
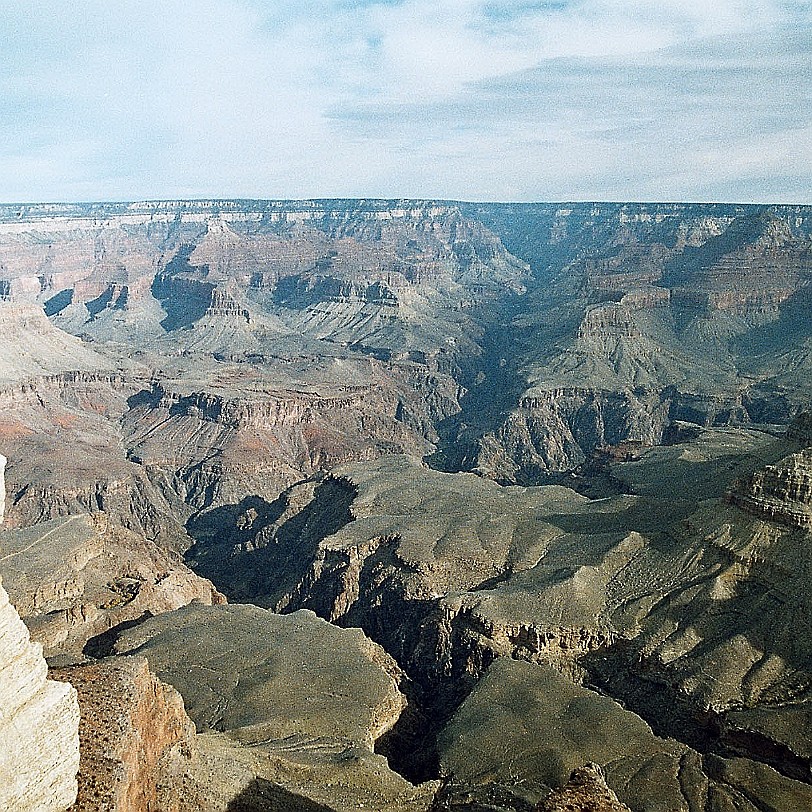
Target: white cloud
x,y
449,98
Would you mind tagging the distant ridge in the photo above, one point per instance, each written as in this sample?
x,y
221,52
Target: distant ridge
x,y
10,212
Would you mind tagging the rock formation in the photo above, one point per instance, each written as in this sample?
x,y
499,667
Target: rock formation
x,y
278,667
39,721
3,462
586,791
528,722
260,386
137,745
650,314
301,704
781,492
510,340
449,572
74,579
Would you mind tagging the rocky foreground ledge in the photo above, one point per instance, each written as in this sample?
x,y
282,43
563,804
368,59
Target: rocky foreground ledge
x,y
39,724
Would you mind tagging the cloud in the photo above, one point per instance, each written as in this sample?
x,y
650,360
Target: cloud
x,y
709,120
519,99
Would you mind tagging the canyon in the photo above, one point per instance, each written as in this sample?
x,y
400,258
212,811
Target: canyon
x,y
415,505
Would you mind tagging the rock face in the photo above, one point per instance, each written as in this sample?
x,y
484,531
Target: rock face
x,y
780,492
527,722
253,384
39,725
66,456
585,791
214,445
136,742
301,704
2,488
232,348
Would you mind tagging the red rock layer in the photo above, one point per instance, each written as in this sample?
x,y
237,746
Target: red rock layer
x,y
136,742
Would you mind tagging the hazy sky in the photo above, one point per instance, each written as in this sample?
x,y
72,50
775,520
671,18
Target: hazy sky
x,y
463,99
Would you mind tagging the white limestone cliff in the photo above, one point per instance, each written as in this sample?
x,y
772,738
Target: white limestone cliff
x,y
39,724
2,487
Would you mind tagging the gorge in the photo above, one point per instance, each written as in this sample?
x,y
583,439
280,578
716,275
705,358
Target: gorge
x,y
415,505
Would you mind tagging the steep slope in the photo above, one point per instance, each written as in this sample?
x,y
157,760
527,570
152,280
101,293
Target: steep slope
x,y
39,725
34,347
137,744
76,578
300,702
643,315
254,383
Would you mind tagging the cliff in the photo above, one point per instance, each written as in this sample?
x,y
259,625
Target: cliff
x,y
253,384
137,744
642,315
39,725
289,337
664,597
3,462
75,578
530,724
781,492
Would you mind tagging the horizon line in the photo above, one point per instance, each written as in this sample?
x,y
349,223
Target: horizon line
x,y
158,201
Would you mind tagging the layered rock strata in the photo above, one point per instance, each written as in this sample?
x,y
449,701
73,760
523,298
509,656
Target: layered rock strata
x,y
593,337
528,722
76,578
449,572
3,462
232,348
781,493
586,791
39,725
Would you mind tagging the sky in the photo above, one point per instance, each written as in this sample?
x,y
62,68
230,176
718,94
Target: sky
x,y
502,100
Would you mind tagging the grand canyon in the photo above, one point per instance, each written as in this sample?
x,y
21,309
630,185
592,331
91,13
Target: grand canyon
x,y
403,505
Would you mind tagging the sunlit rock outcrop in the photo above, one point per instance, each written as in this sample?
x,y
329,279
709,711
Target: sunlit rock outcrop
x,y
2,487
39,725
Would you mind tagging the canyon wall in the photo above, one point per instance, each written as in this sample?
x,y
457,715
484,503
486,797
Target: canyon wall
x,y
289,337
39,725
2,488
137,744
252,385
